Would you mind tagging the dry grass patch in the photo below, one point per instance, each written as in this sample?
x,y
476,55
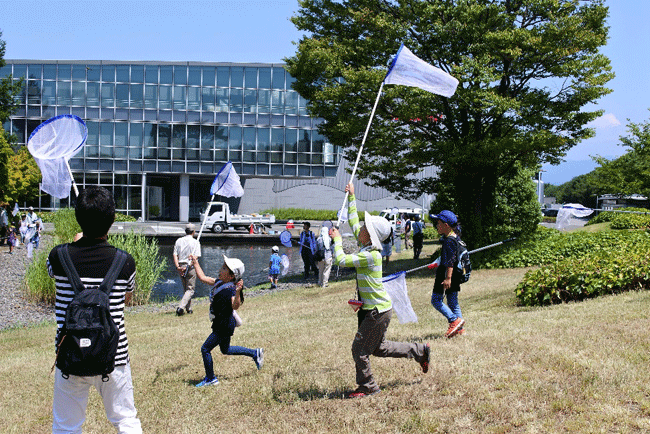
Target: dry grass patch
x,y
580,367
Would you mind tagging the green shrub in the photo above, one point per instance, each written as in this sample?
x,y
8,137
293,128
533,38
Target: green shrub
x,y
148,262
624,220
38,284
300,214
48,217
620,263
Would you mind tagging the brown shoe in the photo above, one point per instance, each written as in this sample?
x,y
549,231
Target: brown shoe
x,y
454,326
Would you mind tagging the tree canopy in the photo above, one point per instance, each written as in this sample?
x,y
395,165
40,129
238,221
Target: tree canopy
x,y
526,70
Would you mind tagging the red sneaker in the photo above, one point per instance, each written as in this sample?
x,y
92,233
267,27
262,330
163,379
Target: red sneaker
x,y
427,358
362,394
454,327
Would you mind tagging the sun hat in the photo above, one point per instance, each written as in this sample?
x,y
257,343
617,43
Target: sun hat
x,y
275,249
445,216
190,227
378,228
235,265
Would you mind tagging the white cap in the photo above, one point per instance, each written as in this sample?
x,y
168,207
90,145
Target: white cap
x,y
275,249
235,265
378,228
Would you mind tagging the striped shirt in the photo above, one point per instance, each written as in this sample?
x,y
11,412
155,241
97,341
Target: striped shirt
x,y
92,258
368,265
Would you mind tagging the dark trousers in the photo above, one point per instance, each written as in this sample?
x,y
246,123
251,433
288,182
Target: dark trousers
x,y
417,244
308,261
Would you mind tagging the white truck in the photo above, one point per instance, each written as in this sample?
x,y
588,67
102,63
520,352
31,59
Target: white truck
x,y
220,218
393,215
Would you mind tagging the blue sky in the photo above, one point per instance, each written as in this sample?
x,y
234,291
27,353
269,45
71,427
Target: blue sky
x,y
260,31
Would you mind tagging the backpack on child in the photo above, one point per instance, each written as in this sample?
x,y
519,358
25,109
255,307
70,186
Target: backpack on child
x,y
320,249
89,338
464,266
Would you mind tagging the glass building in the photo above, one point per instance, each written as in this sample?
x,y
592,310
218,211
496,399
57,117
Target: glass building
x,y
159,131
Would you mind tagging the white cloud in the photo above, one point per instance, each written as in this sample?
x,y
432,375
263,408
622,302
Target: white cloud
x,y
605,121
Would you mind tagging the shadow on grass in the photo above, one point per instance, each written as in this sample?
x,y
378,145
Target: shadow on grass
x,y
288,395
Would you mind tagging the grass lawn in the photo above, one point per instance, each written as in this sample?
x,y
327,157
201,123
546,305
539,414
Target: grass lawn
x,y
579,368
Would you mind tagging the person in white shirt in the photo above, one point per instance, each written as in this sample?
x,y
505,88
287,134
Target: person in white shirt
x,y
184,248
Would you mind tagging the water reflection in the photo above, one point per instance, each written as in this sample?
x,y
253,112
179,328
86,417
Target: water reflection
x,y
254,257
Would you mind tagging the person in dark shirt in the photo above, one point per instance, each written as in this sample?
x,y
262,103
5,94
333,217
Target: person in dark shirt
x,y
226,296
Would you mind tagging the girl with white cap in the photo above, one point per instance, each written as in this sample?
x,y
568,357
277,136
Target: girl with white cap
x,y
376,309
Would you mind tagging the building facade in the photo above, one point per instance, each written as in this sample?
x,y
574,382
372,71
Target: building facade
x,y
158,132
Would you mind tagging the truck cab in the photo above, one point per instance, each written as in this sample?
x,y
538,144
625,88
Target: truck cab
x,y
393,215
220,218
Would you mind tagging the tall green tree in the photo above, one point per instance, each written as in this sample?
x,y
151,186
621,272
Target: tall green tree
x,y
526,70
8,88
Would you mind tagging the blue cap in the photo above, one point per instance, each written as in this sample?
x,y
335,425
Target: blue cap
x,y
445,216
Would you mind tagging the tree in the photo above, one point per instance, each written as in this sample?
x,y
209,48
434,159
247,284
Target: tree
x,y
526,68
8,89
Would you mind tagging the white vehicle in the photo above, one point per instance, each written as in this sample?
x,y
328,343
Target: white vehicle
x,y
220,218
394,216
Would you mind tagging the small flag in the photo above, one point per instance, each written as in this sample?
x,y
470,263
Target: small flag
x,y
227,182
409,70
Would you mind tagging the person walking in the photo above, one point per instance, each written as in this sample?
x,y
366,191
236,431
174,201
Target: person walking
x,y
308,249
376,309
184,248
447,275
92,257
418,237
274,266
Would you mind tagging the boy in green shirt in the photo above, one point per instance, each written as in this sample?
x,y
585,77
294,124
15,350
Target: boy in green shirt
x,y
376,311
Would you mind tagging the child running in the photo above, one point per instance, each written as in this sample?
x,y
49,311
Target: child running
x,y
447,276
376,311
274,266
226,298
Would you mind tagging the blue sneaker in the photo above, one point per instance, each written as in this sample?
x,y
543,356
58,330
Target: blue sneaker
x,y
259,358
206,382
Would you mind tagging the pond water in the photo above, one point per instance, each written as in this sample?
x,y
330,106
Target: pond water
x,y
254,257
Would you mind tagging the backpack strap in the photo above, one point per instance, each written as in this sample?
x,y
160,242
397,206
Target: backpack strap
x,y
69,268
114,271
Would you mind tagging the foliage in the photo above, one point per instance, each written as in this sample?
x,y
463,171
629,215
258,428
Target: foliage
x,y
37,282
301,214
5,155
624,220
621,263
65,225
526,70
149,264
582,189
551,190
24,177
48,217
8,89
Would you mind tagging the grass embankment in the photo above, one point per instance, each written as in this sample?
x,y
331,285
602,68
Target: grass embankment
x,y
577,367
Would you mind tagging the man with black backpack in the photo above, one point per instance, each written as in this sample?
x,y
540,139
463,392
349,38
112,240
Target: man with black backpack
x,y
94,281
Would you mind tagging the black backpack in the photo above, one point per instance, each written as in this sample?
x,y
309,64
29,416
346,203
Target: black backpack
x,y
464,266
89,337
320,249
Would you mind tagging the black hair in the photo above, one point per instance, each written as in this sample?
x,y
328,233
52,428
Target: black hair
x,y
307,223
188,231
95,211
417,218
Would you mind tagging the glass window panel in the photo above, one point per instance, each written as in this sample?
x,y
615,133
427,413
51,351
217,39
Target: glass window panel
x,y
34,92
122,95
278,78
108,73
64,72
121,153
207,98
106,134
221,137
234,139
93,133
207,137
166,74
136,96
223,76
121,134
120,179
264,101
316,158
290,157
20,71
135,198
151,74
135,135
164,136
317,142
120,196
276,157
21,97
150,96
49,93
263,144
180,74
93,72
178,154
209,74
291,103
251,78
108,99
277,101
236,100
178,136
34,71
164,153
122,73
291,143
193,98
5,70
265,78
194,78
135,179
223,95
63,95
237,76
18,128
304,144
250,101
92,94
165,97
49,72
193,134
106,179
137,73
149,141
78,93
290,81
249,156
277,139
179,97
249,139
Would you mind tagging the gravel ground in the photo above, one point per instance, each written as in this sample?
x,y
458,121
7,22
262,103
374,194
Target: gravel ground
x,y
17,311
